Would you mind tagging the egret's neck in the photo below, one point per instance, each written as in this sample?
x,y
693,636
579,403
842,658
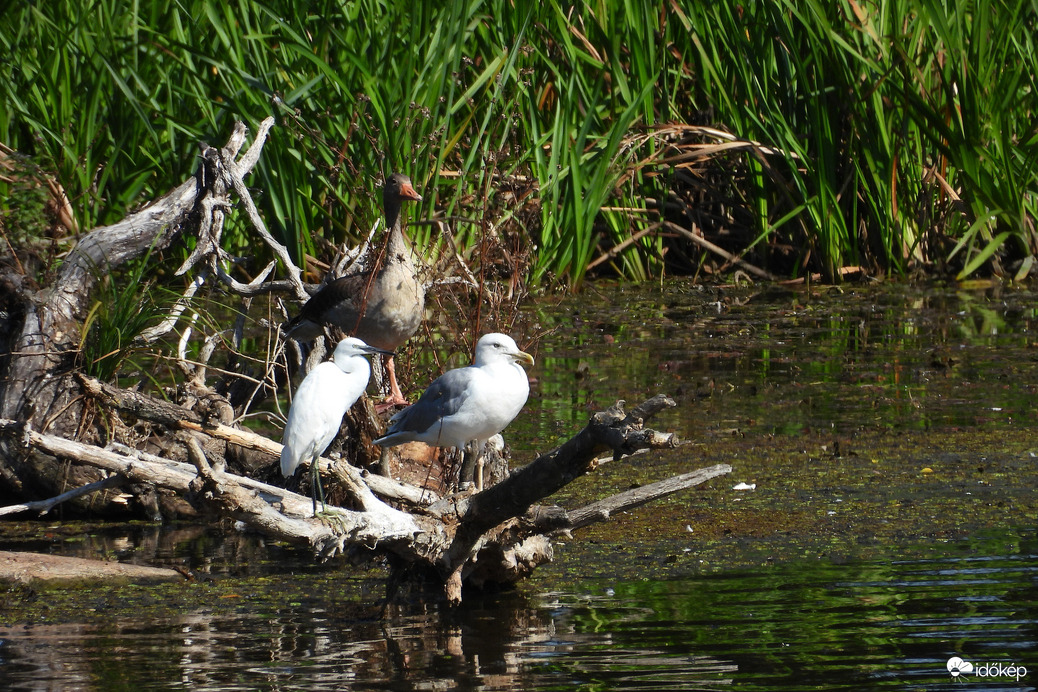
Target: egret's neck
x,y
354,364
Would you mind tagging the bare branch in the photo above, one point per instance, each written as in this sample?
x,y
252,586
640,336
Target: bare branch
x,y
610,429
44,506
495,535
180,418
235,171
636,497
717,250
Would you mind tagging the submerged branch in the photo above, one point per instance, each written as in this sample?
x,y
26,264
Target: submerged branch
x,y
707,245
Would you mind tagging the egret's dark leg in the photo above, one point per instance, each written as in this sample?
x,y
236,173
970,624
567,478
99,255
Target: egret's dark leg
x,y
316,490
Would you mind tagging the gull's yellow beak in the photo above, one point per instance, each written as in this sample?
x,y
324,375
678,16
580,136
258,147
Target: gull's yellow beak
x,y
523,357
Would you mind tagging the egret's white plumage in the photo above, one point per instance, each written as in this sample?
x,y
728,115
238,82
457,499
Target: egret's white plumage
x,y
470,404
323,398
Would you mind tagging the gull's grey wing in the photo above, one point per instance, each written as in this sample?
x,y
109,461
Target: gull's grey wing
x,y
444,397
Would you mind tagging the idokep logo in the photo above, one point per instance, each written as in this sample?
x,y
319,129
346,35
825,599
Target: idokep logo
x,y
958,667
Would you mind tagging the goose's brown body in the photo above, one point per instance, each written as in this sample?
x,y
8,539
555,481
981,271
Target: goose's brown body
x,y
384,305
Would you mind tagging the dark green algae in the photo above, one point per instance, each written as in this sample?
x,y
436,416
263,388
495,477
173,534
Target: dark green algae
x,y
880,496
876,423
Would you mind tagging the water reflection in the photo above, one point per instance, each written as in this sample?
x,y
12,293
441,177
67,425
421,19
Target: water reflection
x,y
782,361
770,366
819,625
204,550
502,645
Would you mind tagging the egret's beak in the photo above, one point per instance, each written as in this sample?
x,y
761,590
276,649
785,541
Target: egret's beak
x,y
523,357
372,350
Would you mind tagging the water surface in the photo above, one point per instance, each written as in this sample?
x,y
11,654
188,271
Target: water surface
x,y
888,433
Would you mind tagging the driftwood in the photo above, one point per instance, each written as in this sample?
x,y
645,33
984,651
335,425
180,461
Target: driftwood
x,y
60,429
42,330
496,536
37,568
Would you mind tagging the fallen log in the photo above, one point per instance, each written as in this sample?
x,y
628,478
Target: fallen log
x,y
41,568
495,536
60,428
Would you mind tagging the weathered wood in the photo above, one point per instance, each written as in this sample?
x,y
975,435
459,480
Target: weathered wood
x,y
41,346
473,539
180,418
636,497
478,515
138,404
43,506
608,430
176,475
37,568
50,413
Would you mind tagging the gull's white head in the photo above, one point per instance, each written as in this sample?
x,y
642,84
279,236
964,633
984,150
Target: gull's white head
x,y
493,348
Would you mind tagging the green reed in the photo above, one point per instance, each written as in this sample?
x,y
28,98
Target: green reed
x,y
891,134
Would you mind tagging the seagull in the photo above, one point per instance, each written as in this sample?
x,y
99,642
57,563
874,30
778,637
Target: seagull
x,y
321,401
467,405
383,305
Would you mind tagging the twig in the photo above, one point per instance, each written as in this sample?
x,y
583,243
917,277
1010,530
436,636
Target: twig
x,y
44,506
352,259
258,286
166,325
185,337
620,247
235,172
704,243
603,509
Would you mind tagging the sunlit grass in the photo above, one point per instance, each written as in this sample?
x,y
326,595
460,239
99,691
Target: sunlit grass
x,y
124,307
893,135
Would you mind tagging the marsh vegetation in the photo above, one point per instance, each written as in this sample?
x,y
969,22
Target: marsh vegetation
x,y
551,143
553,140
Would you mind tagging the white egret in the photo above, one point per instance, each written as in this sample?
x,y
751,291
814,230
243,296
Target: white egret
x,y
323,398
470,404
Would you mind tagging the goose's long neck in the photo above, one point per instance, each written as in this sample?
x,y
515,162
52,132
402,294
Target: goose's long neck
x,y
398,245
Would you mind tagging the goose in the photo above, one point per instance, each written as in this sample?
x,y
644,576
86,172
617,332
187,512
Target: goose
x,y
383,305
